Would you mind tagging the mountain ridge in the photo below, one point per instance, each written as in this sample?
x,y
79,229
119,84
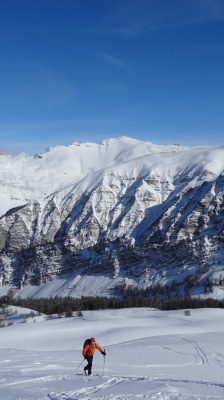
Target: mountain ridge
x,y
117,209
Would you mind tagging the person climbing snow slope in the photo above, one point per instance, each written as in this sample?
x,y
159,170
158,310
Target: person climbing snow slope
x,y
89,349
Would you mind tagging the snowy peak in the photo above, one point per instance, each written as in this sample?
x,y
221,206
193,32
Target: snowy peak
x,y
108,208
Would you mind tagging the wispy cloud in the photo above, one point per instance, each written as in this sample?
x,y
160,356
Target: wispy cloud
x,y
137,18
116,62
207,10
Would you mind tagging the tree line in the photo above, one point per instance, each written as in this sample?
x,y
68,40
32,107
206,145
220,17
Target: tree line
x,y
66,306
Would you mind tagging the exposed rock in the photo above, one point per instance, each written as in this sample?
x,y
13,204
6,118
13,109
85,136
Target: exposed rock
x,y
134,217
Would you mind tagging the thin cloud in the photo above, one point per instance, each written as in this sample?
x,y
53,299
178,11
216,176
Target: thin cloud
x,y
208,10
139,18
116,62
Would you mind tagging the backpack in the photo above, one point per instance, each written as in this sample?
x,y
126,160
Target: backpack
x,y
87,341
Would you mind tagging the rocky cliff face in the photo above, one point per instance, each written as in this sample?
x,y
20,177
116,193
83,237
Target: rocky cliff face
x,y
123,208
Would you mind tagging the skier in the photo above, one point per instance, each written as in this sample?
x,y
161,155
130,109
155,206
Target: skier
x,y
89,348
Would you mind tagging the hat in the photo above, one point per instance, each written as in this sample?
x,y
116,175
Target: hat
x,y
92,339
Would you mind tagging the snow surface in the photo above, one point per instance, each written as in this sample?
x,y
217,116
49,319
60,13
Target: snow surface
x,y
83,165
151,354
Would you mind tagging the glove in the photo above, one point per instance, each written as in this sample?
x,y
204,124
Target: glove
x,y
103,352
85,357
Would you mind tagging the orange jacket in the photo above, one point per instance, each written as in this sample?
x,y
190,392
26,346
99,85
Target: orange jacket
x,y
89,350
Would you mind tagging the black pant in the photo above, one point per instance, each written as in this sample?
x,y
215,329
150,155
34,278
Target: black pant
x,y
88,367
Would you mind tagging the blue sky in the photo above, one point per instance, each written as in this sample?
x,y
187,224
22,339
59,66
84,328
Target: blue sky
x,y
87,70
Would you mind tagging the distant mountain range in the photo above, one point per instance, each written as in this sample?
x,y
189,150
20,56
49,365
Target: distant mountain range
x,y
82,219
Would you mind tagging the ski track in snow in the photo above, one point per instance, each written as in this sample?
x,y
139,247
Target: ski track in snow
x,y
90,393
200,354
87,391
96,391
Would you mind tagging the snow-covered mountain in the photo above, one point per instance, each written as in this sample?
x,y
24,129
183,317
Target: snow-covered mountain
x,y
82,218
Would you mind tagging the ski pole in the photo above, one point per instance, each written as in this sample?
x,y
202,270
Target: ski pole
x,y
80,364
104,361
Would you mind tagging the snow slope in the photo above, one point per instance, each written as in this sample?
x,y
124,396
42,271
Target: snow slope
x,y
123,208
151,354
24,178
